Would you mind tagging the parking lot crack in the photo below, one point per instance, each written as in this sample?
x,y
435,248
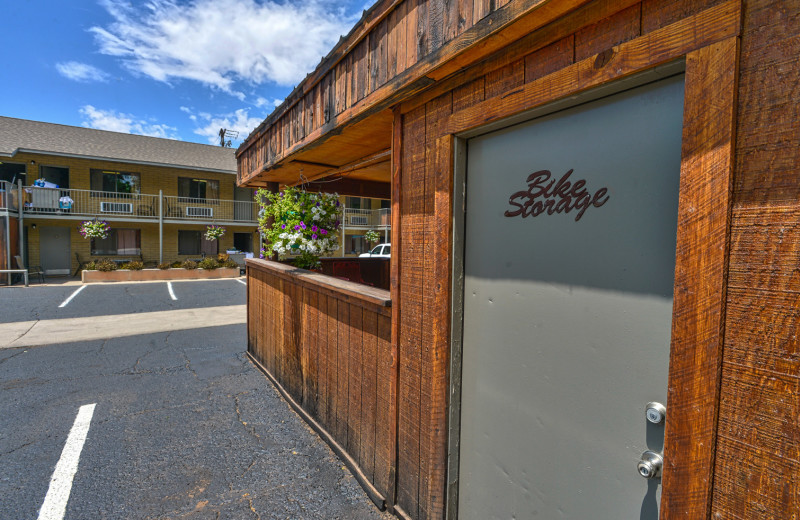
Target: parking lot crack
x,y
12,356
247,427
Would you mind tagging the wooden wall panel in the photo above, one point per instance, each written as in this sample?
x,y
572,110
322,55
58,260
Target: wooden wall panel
x,y
758,449
343,347
411,288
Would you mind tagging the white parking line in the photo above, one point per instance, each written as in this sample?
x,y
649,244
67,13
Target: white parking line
x,y
241,281
71,296
55,502
171,292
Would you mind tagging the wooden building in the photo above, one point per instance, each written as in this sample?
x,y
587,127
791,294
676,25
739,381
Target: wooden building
x,y
574,184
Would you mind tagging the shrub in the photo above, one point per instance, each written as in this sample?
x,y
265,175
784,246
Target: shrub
x,y
133,265
176,264
105,265
164,265
208,263
189,264
229,263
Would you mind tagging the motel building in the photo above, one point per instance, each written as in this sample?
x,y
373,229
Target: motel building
x,y
157,195
595,226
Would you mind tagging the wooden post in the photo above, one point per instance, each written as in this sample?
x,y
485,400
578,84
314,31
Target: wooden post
x,y
272,187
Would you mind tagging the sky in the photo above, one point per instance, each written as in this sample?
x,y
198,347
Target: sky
x,y
163,68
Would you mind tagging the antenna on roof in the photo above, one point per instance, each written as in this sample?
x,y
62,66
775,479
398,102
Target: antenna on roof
x,y
223,133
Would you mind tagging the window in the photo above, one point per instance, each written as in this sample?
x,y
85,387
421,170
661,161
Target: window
x,y
386,204
118,242
56,175
12,172
197,188
243,242
115,182
194,243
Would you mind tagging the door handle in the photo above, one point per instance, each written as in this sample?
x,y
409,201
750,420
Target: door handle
x,y
650,465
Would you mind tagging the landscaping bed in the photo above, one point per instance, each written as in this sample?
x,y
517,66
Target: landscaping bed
x,y
126,275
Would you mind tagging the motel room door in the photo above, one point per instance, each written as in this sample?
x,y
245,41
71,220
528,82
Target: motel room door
x,y
569,259
54,251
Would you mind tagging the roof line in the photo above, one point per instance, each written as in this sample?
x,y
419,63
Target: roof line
x,y
117,160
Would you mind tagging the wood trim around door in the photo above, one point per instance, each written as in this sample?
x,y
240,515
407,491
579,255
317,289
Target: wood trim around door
x,y
701,270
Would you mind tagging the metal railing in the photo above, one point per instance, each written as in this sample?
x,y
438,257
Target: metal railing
x,y
367,218
137,206
184,208
9,196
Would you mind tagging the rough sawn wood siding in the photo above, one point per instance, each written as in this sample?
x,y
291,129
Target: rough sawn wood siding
x,y
756,432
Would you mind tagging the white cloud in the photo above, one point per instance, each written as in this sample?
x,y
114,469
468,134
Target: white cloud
x,y
222,42
125,123
82,72
262,102
239,121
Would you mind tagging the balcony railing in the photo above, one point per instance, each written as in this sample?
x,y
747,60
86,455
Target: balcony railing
x,y
137,206
9,196
367,218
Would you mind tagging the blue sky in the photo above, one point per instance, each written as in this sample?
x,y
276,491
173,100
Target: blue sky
x,y
166,68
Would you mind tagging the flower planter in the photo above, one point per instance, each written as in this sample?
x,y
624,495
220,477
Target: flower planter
x,y
126,275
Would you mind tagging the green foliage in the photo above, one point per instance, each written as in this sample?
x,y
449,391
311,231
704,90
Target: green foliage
x,y
214,232
133,265
372,236
164,265
177,264
300,224
189,264
208,263
105,265
229,263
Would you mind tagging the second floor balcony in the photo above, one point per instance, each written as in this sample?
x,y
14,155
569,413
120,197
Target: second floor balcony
x,y
367,218
69,203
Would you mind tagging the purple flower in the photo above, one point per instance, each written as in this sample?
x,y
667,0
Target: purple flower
x,y
337,203
314,228
314,236
323,231
283,226
317,204
303,225
297,228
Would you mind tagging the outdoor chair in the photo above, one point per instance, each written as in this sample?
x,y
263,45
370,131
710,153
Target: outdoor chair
x,y
81,264
34,270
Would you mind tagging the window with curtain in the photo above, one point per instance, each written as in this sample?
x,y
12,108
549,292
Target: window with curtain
x,y
118,242
115,182
192,242
197,188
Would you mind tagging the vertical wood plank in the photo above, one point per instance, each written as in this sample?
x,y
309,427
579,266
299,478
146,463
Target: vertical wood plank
x,y
369,395
700,278
411,47
333,367
394,291
600,36
465,15
411,286
323,353
386,409
343,355
550,58
355,387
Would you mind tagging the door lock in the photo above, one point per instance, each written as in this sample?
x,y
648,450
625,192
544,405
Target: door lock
x,y
655,412
650,465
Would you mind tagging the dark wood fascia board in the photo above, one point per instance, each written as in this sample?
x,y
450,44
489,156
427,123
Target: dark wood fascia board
x,y
491,33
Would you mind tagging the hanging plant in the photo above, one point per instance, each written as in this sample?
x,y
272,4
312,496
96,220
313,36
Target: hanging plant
x,y
372,236
294,222
214,232
94,229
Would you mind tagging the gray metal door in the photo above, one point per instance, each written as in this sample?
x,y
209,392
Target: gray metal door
x,y
54,249
571,224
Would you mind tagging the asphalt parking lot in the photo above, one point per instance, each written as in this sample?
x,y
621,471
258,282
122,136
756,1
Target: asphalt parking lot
x,y
183,426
